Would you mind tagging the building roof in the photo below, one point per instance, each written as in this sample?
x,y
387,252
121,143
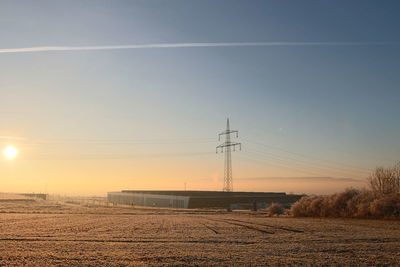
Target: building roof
x,y
203,194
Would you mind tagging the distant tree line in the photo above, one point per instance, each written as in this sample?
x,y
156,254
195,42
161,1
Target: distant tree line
x,y
380,200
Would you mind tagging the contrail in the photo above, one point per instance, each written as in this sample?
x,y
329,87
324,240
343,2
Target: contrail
x,y
186,45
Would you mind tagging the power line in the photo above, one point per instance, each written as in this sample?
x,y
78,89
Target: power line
x,y
263,162
54,141
320,170
310,163
118,156
308,156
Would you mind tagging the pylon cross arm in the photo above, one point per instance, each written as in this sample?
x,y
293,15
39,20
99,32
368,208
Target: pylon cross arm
x,y
228,132
230,144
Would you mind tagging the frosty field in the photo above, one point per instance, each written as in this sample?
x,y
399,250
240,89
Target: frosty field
x,y
49,233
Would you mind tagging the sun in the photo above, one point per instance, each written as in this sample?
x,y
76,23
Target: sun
x,y
10,152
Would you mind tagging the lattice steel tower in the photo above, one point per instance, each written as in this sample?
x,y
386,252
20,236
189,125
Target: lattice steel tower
x,y
226,147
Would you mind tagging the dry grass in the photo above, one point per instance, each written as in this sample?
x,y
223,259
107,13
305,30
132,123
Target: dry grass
x,y
46,233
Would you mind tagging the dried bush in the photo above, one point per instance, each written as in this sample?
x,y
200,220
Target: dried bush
x,y
381,201
359,205
308,206
350,203
387,206
275,209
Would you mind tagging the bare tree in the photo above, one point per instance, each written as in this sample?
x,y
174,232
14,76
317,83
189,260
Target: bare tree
x,y
384,181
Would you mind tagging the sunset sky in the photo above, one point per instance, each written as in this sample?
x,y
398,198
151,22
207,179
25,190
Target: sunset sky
x,y
102,96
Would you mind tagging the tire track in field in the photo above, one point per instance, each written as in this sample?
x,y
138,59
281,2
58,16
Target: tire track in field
x,y
128,241
161,227
272,226
210,228
250,227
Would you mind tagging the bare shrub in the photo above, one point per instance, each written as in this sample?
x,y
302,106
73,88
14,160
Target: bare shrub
x,y
317,206
275,209
350,203
303,207
339,203
387,206
336,205
359,205
381,201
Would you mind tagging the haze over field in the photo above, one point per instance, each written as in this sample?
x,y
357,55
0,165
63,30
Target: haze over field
x,y
97,96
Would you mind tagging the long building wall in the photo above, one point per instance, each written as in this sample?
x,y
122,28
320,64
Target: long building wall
x,y
205,200
226,202
149,200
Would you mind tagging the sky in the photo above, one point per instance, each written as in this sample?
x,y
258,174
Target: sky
x,y
103,96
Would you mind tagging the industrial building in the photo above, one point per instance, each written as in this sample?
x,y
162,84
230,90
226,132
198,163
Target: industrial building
x,y
37,196
200,199
225,199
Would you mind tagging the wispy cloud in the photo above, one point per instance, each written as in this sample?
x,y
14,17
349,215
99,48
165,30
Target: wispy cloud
x,y
186,45
9,137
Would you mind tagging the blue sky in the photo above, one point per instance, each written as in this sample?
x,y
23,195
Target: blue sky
x,y
336,104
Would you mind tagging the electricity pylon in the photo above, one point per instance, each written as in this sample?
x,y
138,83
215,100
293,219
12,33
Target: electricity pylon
x,y
226,147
